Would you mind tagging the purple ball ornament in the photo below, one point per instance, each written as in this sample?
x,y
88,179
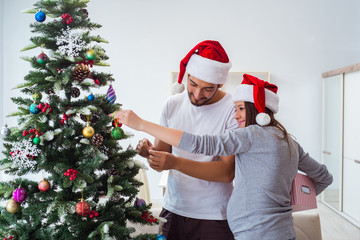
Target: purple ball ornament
x,y
139,203
19,195
110,95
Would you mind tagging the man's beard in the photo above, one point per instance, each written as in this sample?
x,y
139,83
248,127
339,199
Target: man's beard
x,y
203,103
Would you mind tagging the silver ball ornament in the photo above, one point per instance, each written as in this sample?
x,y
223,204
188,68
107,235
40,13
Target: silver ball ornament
x,y
5,131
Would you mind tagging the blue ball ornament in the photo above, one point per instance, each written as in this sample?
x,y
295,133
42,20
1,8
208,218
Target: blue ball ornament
x,y
34,109
91,97
40,16
160,237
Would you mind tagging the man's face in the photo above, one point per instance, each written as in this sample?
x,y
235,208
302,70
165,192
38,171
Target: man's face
x,y
200,92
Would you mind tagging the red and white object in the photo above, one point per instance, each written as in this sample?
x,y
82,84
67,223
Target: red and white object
x,y
303,196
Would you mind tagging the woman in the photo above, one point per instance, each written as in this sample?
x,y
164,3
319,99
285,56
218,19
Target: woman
x,y
267,160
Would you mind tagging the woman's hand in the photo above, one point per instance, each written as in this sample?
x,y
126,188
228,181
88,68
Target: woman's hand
x,y
129,118
160,161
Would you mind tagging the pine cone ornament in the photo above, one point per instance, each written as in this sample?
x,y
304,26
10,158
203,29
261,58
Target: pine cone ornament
x,y
50,91
97,139
92,118
81,72
75,92
112,172
105,150
115,197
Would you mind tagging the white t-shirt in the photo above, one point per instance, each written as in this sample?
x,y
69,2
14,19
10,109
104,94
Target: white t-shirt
x,y
188,196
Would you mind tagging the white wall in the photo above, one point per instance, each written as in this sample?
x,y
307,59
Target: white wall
x,y
294,40
1,65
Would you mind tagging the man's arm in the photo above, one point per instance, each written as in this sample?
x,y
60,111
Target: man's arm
x,y
162,146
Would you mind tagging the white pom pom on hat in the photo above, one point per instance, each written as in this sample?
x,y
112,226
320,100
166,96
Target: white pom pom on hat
x,y
178,88
261,93
207,61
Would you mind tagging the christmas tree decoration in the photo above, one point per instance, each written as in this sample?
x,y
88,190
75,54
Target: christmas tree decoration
x,y
19,195
23,154
112,172
83,208
85,11
93,214
70,43
87,63
91,97
37,97
110,95
161,223
139,203
93,118
160,237
34,109
44,185
5,131
67,18
117,133
42,58
148,218
116,123
36,140
72,173
45,107
40,16
91,54
9,237
81,72
75,92
97,139
12,206
88,131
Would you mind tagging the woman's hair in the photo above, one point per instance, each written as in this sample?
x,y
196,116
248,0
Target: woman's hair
x,y
251,113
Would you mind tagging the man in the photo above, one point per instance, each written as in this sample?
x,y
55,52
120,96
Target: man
x,y
195,208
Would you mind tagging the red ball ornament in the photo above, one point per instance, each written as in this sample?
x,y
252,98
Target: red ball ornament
x,y
44,185
82,208
116,123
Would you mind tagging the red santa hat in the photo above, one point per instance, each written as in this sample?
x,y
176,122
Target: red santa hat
x,y
207,61
261,93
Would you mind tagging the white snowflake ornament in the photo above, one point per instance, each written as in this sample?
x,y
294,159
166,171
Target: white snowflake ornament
x,y
22,153
70,43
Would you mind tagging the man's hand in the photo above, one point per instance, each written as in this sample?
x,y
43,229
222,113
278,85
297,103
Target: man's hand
x,y
159,160
143,147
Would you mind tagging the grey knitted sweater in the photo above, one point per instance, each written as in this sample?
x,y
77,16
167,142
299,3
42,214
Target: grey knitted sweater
x,y
265,167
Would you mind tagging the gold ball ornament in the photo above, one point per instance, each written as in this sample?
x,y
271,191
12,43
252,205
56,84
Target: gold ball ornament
x,y
12,206
88,131
37,97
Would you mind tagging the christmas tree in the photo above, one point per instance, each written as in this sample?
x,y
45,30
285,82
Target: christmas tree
x,y
89,188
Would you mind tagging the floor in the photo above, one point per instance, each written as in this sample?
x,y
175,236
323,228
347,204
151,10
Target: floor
x,y
334,226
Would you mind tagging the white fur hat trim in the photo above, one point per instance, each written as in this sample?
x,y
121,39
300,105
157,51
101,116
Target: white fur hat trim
x,y
245,92
208,70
